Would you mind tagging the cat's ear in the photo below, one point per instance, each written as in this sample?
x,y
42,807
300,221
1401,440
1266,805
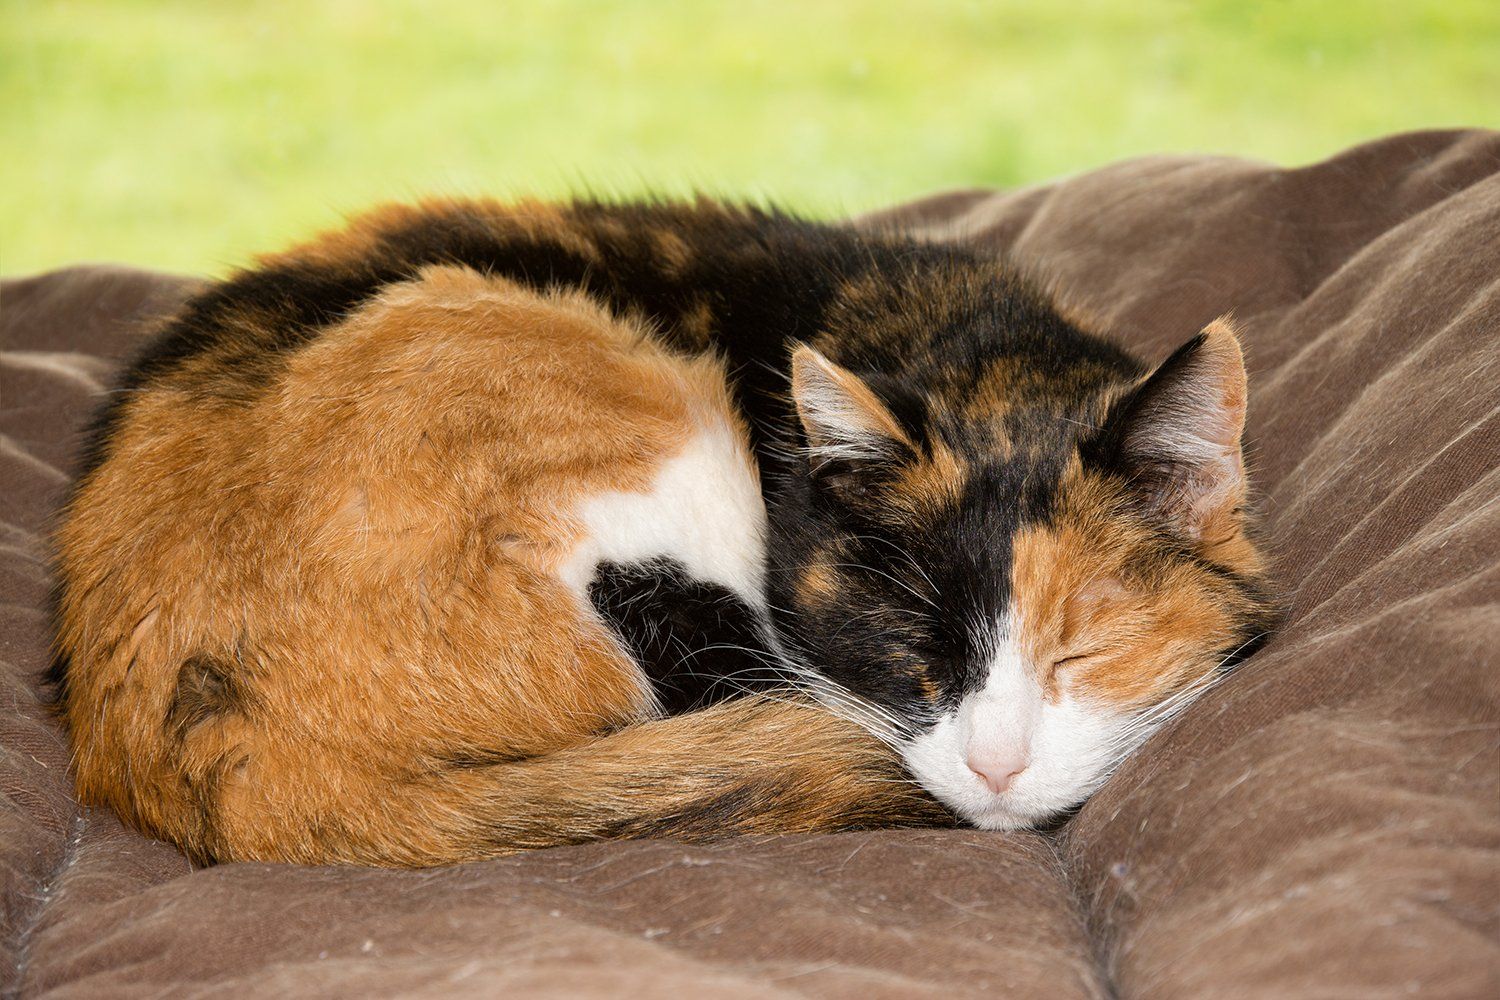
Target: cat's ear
x,y
1177,436
841,417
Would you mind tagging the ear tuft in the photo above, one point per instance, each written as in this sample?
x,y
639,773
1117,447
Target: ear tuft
x,y
841,416
1178,435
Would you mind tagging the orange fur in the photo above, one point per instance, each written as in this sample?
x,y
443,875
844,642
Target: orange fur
x,y
930,482
1126,636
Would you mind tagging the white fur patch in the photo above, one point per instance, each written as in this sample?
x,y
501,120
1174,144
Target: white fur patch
x,y
703,509
1069,745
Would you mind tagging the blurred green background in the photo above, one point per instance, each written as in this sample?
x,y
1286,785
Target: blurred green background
x,y
187,135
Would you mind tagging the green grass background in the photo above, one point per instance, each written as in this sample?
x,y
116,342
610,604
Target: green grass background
x,y
187,135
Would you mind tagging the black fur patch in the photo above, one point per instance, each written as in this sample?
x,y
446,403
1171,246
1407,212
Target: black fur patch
x,y
698,642
724,814
472,759
207,688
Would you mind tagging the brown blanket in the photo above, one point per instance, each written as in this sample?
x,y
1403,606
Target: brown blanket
x,y
1326,823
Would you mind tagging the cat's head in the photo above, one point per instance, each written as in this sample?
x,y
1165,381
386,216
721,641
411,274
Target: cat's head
x,y
1021,564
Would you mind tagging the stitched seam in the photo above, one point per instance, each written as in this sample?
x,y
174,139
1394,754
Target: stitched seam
x,y
44,897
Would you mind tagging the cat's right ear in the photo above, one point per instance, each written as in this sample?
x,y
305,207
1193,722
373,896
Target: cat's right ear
x,y
842,418
1176,436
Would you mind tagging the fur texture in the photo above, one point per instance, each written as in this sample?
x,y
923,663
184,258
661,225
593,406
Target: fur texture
x,y
405,546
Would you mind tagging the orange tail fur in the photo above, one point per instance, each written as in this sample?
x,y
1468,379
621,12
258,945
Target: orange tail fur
x,y
749,766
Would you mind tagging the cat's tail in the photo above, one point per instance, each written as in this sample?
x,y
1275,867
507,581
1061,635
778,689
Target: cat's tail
x,y
747,766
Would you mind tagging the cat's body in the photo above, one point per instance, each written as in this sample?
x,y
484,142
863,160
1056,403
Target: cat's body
x,y
401,548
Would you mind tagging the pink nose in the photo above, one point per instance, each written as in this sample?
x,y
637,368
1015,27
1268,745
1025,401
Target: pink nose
x,y
996,770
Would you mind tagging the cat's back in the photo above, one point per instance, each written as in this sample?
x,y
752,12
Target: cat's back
x,y
444,399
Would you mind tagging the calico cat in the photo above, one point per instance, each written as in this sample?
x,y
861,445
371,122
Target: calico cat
x,y
476,527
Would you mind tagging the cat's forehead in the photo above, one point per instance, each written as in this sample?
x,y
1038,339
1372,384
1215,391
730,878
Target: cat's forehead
x,y
1006,410
988,474
956,520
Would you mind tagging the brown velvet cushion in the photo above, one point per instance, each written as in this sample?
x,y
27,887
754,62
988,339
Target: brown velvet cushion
x,y
1325,823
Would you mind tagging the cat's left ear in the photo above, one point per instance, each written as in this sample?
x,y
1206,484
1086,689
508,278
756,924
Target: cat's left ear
x,y
1176,436
842,418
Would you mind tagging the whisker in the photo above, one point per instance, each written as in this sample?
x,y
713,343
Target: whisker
x,y
1153,719
894,579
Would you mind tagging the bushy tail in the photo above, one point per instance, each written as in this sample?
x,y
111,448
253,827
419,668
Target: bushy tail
x,y
748,766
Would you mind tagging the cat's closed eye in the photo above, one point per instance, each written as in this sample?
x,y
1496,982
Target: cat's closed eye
x,y
1075,659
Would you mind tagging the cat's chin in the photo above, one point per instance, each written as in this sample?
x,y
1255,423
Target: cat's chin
x,y
1002,817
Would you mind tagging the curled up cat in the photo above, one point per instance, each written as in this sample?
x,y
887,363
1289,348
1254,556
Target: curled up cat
x,y
477,527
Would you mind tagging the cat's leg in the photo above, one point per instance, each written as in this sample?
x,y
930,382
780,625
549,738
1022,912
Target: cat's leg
x,y
698,642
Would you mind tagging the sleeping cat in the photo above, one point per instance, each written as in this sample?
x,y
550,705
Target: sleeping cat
x,y
476,527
